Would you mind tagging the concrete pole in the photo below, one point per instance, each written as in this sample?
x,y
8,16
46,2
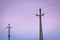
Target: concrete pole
x,y
40,25
9,27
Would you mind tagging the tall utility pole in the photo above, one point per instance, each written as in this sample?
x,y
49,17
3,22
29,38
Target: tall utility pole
x,y
40,25
9,27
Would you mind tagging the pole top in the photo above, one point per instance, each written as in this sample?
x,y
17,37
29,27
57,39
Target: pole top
x,y
39,9
8,26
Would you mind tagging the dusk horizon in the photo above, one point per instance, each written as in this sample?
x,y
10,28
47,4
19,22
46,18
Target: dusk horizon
x,y
21,15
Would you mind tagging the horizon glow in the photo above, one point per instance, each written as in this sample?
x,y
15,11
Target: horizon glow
x,y
24,22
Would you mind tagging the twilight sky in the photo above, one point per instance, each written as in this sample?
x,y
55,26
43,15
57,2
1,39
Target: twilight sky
x,y
21,14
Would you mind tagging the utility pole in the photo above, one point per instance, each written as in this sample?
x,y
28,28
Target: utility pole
x,y
9,27
40,25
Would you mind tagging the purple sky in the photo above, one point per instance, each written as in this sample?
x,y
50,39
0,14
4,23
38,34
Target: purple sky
x,y
22,17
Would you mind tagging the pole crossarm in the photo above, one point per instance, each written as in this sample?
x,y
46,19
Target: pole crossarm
x,y
40,13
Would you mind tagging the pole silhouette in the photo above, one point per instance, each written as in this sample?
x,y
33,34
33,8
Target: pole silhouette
x,y
9,27
40,25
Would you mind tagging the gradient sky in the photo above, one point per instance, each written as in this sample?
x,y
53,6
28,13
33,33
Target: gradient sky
x,y
21,14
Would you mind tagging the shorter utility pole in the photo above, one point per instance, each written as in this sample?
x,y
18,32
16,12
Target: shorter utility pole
x,y
9,27
40,24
